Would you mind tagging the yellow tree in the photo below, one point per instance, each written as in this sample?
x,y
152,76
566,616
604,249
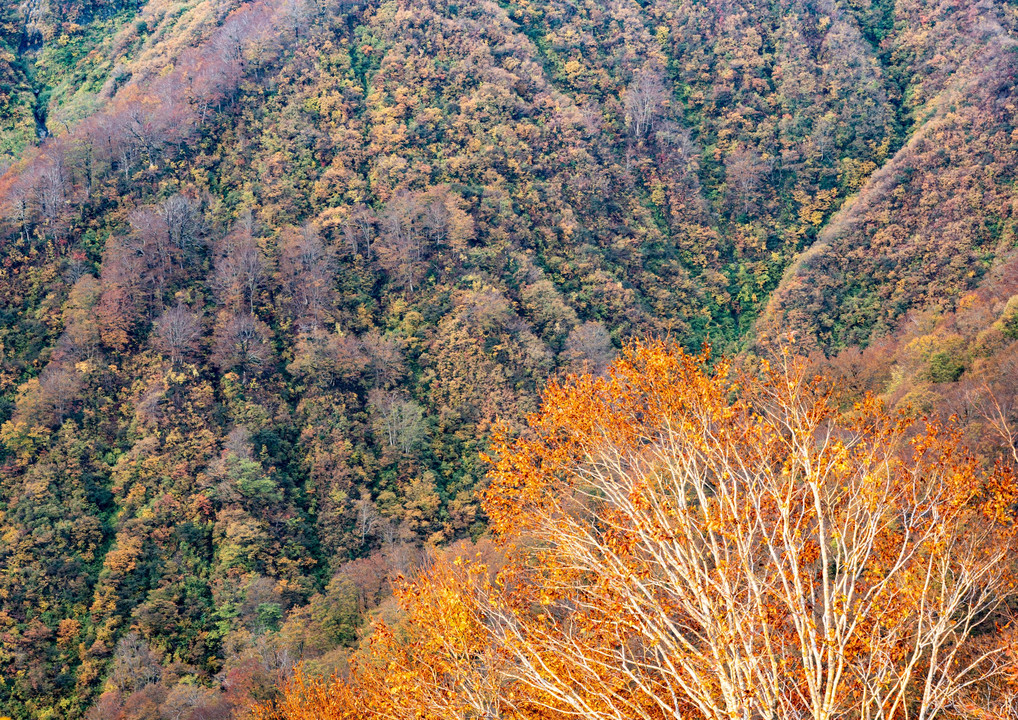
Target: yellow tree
x,y
691,542
727,545
438,661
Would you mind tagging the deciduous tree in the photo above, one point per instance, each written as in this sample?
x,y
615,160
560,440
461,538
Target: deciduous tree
x,y
241,342
685,540
177,332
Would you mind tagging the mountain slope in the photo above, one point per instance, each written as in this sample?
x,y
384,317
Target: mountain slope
x,y
930,222
281,265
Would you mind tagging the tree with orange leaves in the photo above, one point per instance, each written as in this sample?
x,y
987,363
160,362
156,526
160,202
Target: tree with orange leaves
x,y
694,541
762,556
438,661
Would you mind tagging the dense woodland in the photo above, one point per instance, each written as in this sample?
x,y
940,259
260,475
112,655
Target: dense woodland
x,y
274,273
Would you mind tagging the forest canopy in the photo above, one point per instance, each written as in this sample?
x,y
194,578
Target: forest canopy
x,y
678,541
276,274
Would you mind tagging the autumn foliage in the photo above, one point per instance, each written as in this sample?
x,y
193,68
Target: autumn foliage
x,y
682,540
272,271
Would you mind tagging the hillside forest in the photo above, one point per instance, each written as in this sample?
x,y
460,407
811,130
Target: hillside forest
x,y
302,300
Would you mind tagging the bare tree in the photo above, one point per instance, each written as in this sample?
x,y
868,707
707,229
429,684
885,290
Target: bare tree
x,y
307,269
995,398
589,349
240,268
51,189
177,332
183,219
150,239
368,518
398,420
744,171
359,231
678,147
299,13
60,386
401,247
385,358
644,100
242,343
135,664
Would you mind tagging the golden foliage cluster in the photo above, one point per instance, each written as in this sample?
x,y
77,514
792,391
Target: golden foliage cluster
x,y
686,539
